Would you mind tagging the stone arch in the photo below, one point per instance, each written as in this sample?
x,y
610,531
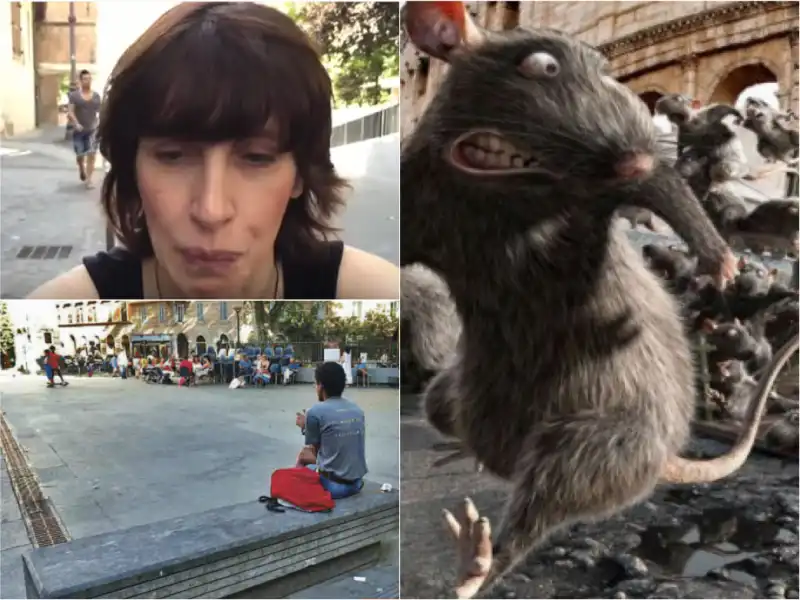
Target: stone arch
x,y
650,97
183,345
223,342
739,76
200,345
126,345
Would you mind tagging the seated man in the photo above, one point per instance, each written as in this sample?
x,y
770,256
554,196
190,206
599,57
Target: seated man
x,y
290,370
334,432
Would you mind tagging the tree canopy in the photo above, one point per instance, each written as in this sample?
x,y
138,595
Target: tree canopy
x,y
359,41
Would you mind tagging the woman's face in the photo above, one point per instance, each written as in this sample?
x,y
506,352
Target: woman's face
x,y
213,211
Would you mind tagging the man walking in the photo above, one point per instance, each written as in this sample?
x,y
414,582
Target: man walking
x,y
84,104
334,435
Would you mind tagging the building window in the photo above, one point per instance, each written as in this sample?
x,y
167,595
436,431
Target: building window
x,y
180,312
393,308
92,314
162,312
16,29
143,313
201,345
79,316
223,311
358,309
199,309
48,338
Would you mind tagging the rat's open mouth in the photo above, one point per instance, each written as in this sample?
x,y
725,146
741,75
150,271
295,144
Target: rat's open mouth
x,y
489,153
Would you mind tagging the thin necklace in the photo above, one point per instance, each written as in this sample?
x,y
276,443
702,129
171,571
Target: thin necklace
x,y
274,291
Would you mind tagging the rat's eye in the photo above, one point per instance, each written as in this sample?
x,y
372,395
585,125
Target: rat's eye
x,y
539,64
732,333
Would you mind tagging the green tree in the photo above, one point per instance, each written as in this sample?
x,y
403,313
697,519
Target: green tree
x,y
359,42
6,331
379,325
264,316
299,321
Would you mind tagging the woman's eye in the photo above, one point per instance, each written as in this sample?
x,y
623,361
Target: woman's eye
x,y
168,156
259,158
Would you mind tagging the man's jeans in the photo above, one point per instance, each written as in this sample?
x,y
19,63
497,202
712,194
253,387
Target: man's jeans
x,y
336,489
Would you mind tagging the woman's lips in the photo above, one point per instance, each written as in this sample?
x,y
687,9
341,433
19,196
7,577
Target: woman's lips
x,y
209,260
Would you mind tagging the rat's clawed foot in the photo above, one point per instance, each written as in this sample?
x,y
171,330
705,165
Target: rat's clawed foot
x,y
728,270
473,537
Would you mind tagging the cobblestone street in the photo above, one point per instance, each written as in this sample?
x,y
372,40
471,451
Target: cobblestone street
x,y
735,538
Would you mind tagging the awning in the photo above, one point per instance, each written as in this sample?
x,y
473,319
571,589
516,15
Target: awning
x,y
151,338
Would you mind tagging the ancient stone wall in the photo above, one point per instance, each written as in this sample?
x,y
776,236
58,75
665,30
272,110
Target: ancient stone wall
x,y
709,50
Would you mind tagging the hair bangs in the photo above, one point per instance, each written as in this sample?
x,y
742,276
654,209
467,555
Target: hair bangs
x,y
213,88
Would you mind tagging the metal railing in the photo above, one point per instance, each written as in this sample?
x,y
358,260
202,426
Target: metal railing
x,y
374,125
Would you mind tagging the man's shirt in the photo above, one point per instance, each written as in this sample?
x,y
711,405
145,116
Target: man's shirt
x,y
337,427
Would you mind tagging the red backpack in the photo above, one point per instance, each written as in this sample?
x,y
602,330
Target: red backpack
x,y
298,486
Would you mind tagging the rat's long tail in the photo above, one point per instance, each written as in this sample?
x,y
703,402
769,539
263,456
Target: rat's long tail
x,y
431,315
681,470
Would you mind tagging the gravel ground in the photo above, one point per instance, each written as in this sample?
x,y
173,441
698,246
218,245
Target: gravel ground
x,y
732,539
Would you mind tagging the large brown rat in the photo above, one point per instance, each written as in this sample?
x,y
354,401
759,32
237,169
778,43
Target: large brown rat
x,y
510,183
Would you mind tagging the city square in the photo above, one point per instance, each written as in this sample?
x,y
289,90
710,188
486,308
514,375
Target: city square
x,y
111,454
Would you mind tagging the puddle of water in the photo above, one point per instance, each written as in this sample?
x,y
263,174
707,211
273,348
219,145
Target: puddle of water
x,y
717,538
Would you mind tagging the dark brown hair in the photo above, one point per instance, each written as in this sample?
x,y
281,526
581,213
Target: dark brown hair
x,y
215,72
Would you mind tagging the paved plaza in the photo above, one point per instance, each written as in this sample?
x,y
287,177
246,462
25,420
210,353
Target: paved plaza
x,y
45,204
112,454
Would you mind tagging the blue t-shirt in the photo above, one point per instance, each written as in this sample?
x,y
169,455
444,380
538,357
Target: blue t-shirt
x,y
337,427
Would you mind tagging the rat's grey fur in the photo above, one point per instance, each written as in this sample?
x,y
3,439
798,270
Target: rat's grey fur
x,y
776,141
708,149
591,400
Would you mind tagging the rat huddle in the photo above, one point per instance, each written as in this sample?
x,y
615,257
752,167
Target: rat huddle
x,y
510,185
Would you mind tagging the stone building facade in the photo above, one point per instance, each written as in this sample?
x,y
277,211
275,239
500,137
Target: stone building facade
x,y
711,51
51,49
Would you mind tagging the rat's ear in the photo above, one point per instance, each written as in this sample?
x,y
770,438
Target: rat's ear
x,y
708,325
440,28
742,264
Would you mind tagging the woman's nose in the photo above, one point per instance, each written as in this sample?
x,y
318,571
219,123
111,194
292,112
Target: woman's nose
x,y
212,202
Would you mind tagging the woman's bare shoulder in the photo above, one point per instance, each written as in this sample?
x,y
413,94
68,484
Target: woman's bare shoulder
x,y
365,276
75,284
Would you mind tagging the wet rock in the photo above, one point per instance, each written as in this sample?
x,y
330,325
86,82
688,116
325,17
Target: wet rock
x,y
758,566
635,567
631,540
787,502
564,564
720,573
557,552
791,594
776,590
667,590
636,587
584,558
594,547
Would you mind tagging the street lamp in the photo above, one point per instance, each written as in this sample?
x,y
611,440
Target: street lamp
x,y
238,310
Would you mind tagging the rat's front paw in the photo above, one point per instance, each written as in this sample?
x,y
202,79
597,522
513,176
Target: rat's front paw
x,y
473,537
722,271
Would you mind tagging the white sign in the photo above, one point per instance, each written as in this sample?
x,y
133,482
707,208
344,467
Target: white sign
x,y
331,354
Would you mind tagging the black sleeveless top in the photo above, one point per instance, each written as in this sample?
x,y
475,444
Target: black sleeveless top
x,y
117,274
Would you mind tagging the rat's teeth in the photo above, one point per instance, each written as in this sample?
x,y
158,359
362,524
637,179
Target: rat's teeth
x,y
517,161
479,157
